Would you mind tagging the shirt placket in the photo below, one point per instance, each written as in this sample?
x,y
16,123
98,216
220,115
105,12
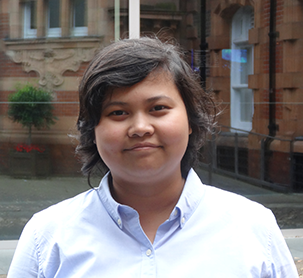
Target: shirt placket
x,y
148,262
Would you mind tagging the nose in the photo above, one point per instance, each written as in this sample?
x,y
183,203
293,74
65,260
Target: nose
x,y
140,126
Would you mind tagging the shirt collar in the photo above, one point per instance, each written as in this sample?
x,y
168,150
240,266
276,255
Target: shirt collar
x,y
188,202
108,201
190,198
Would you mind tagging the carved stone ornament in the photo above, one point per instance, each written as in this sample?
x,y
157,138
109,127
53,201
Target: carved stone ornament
x,y
50,64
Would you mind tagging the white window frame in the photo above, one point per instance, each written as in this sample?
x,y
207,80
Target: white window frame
x,y
78,31
28,32
242,21
52,32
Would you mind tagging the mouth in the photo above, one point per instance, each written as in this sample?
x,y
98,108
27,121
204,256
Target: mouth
x,y
142,146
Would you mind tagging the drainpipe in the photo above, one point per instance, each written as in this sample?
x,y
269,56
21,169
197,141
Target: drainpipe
x,y
272,69
272,126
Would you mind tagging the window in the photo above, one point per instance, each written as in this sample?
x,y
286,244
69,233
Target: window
x,y
30,19
54,27
241,57
79,18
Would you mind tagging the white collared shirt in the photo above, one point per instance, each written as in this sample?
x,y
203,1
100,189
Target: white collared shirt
x,y
210,233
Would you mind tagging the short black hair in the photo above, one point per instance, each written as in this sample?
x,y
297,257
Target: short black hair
x,y
125,63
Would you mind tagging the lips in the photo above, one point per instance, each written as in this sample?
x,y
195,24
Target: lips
x,y
142,146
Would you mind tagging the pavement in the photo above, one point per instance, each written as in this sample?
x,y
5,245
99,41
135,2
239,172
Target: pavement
x,y
21,198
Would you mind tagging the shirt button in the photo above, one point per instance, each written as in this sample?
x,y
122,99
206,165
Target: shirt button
x,y
148,252
176,212
119,222
182,220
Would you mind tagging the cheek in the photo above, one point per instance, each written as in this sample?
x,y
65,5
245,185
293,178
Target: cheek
x,y
108,138
176,133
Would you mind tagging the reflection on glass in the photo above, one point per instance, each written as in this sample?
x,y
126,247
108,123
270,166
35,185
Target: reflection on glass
x,y
241,62
246,67
235,55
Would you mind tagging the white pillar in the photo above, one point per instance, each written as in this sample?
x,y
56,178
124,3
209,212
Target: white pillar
x,y
134,19
117,20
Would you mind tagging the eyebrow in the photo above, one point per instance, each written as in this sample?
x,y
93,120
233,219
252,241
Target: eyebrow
x,y
113,103
152,99
122,103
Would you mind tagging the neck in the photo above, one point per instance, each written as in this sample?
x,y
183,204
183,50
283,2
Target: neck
x,y
148,195
153,199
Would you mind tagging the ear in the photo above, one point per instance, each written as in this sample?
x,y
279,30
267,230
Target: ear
x,y
190,131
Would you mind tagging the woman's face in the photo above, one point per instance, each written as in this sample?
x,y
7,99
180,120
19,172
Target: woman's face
x,y
143,131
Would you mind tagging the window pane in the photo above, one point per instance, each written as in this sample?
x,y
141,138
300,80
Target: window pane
x,y
246,105
33,15
80,13
54,13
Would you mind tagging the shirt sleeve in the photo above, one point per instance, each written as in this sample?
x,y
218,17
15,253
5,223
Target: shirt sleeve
x,y
25,262
281,262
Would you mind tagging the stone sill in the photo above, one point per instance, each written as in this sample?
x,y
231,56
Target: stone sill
x,y
43,43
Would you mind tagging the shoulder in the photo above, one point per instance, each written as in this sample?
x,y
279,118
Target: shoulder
x,y
239,217
234,205
218,201
60,215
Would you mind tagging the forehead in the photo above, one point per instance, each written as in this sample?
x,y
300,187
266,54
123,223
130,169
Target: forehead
x,y
156,82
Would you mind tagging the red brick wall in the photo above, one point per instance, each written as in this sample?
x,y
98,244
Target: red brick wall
x,y
264,48
4,25
279,166
11,69
66,108
254,163
265,13
279,11
63,160
3,98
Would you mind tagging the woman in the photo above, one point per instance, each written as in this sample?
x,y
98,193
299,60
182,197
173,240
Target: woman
x,y
143,117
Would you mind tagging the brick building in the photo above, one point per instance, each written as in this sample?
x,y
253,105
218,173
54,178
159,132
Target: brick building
x,y
258,46
248,52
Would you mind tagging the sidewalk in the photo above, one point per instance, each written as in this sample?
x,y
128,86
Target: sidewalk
x,y
29,196
7,249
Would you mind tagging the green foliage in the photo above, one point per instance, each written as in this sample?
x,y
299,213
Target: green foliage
x,y
31,107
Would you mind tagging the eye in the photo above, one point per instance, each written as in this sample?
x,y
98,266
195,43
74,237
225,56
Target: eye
x,y
118,113
159,108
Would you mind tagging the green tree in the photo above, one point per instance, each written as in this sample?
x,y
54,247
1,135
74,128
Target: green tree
x,y
31,107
